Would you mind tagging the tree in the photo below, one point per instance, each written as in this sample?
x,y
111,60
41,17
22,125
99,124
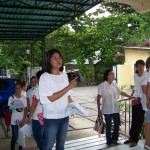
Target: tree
x,y
86,34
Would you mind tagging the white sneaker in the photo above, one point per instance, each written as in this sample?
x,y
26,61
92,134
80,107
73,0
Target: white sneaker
x,y
147,147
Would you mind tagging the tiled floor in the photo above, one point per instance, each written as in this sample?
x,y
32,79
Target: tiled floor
x,y
140,146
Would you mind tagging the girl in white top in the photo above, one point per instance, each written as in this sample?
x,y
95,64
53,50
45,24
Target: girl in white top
x,y
138,103
54,91
18,115
34,84
36,109
147,125
108,91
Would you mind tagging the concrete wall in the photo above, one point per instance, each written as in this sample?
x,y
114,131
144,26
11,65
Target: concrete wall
x,y
124,75
125,72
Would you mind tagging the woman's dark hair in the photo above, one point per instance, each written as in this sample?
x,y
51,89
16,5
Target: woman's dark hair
x,y
139,62
105,78
33,77
24,83
148,63
39,73
50,53
18,83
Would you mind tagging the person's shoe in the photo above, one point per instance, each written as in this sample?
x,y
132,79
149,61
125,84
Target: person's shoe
x,y
109,144
115,142
128,141
133,144
147,147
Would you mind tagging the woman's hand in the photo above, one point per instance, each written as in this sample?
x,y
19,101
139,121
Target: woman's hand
x,y
28,108
22,124
72,84
131,97
29,121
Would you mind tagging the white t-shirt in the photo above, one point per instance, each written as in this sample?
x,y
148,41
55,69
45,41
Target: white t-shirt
x,y
109,92
137,85
29,96
17,115
139,81
48,85
39,106
34,91
24,93
143,81
148,78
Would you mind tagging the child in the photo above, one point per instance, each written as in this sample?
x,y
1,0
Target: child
x,y
18,115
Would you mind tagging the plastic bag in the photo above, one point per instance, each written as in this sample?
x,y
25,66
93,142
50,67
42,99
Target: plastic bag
x,y
21,139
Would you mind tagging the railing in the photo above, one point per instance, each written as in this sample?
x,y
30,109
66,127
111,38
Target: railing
x,y
125,115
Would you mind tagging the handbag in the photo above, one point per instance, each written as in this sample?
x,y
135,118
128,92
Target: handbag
x,y
99,125
136,101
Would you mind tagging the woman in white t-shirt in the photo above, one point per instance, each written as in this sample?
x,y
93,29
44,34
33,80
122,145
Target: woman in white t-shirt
x,y
18,114
147,125
108,91
35,112
138,103
34,84
54,91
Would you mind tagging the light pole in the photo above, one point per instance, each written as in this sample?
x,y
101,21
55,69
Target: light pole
x,y
27,53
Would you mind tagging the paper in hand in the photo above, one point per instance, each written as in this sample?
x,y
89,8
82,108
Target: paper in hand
x,y
27,130
79,108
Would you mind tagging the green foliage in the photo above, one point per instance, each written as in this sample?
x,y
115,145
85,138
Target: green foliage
x,y
123,87
14,57
82,37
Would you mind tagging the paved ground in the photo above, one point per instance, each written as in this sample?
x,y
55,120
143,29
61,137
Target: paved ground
x,y
79,127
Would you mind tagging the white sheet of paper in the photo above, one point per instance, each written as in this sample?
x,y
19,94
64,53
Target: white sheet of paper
x,y
18,104
80,109
27,130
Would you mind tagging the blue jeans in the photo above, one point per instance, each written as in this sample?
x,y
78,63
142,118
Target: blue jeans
x,y
147,116
108,119
14,137
38,133
55,129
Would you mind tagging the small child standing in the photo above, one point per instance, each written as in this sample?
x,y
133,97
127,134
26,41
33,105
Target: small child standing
x,y
18,114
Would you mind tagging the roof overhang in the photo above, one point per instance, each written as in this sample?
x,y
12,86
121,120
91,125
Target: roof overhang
x,y
34,19
132,48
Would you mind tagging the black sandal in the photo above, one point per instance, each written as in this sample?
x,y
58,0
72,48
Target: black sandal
x,y
128,141
133,144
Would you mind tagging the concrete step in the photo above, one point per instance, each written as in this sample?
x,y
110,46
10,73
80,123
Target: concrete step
x,y
90,143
